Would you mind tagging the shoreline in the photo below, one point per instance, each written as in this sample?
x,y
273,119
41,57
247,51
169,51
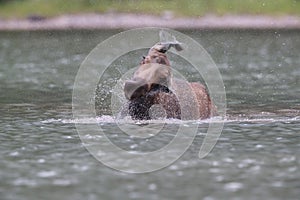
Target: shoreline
x,y
128,21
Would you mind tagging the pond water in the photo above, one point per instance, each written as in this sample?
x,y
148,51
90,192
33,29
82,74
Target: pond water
x,y
256,157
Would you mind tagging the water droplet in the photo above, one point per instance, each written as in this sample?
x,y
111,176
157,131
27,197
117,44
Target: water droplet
x,y
173,167
133,146
277,184
214,170
15,153
228,160
67,137
216,163
287,159
62,182
179,173
259,146
208,198
46,174
26,182
233,186
152,186
41,160
220,178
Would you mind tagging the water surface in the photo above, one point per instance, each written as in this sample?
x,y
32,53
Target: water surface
x,y
256,157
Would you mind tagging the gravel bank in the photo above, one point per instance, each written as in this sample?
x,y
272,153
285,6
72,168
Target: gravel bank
x,y
127,21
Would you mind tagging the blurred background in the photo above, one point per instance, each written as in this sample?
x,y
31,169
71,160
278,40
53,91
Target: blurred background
x,y
48,8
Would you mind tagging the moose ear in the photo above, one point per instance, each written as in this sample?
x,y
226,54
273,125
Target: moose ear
x,y
178,47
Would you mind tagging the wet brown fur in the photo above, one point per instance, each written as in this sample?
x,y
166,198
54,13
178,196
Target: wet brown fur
x,y
154,88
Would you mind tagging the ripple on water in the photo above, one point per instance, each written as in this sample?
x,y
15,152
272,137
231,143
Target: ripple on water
x,y
233,186
64,182
287,159
46,174
25,182
152,187
257,154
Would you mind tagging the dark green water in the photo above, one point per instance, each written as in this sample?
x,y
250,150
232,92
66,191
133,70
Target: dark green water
x,y
256,157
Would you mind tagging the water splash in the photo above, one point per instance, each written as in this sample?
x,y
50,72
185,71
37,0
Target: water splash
x,y
107,119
